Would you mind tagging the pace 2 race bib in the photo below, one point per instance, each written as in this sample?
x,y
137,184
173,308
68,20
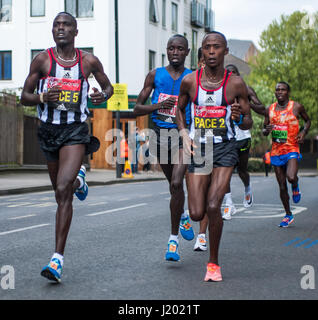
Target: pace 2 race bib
x,y
69,99
210,119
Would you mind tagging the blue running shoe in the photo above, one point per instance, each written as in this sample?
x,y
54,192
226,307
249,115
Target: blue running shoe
x,y
53,270
172,251
186,228
288,219
81,193
296,194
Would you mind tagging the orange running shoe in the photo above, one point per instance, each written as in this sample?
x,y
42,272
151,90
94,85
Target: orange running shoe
x,y
213,272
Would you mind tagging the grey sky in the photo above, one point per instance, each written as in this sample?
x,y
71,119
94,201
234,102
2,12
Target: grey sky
x,y
246,19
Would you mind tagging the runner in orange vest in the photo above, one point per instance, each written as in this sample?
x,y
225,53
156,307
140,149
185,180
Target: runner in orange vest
x,y
267,162
281,120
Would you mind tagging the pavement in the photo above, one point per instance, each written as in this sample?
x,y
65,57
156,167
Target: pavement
x,y
35,178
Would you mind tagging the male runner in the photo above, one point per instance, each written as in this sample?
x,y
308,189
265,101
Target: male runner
x,y
165,84
218,101
243,138
60,74
282,121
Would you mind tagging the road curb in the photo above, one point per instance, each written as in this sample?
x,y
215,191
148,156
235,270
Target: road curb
x,y
90,183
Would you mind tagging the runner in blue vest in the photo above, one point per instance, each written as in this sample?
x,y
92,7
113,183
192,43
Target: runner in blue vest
x,y
165,144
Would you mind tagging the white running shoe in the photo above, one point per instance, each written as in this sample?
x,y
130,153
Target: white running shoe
x,y
228,212
248,200
200,244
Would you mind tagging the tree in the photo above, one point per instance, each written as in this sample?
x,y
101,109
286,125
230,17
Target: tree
x,y
290,53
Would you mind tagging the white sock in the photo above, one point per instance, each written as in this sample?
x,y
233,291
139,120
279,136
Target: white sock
x,y
58,256
201,235
81,180
174,237
247,189
228,199
184,214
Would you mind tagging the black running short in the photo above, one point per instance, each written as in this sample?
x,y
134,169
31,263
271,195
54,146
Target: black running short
x,y
224,154
164,144
244,145
52,137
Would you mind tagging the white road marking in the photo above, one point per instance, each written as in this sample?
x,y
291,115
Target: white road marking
x,y
23,229
97,203
116,209
21,204
22,217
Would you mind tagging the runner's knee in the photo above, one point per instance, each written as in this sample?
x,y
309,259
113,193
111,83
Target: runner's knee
x,y
196,214
176,186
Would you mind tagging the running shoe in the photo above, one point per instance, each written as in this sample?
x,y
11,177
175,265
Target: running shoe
x,y
172,251
53,270
248,200
213,272
296,194
186,229
288,219
81,193
200,244
228,212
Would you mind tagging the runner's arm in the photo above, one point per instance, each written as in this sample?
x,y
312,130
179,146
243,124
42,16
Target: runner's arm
x,y
301,135
141,108
255,103
183,100
102,79
267,127
28,97
245,109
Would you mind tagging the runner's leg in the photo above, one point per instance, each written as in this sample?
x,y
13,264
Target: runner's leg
x,y
70,160
280,173
218,186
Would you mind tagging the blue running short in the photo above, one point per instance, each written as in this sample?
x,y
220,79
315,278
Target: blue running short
x,y
282,160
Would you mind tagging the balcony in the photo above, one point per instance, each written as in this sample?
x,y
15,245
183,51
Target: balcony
x,y
209,20
197,14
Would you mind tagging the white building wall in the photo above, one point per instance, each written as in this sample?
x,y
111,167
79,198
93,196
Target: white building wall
x,y
137,36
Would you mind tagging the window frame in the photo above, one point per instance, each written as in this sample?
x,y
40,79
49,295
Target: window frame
x,y
2,52
77,10
1,16
151,62
36,16
173,22
155,16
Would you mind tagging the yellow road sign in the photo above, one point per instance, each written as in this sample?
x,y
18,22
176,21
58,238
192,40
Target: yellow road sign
x,y
119,100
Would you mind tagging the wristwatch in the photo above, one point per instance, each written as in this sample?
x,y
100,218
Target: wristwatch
x,y
105,95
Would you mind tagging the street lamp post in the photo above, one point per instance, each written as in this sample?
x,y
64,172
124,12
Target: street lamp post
x,y
118,167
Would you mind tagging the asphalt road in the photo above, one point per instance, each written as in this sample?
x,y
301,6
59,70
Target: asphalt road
x,y
118,238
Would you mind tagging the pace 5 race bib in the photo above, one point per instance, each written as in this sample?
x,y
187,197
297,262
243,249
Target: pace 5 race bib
x,y
167,115
69,99
279,133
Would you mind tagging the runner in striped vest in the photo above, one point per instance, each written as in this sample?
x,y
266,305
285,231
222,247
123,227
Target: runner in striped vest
x,y
60,75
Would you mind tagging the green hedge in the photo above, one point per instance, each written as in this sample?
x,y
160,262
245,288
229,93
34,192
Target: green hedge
x,y
255,165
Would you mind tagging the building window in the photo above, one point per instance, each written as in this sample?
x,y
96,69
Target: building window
x,y
80,8
5,10
153,11
174,17
164,9
194,50
5,65
163,60
35,52
152,60
37,8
